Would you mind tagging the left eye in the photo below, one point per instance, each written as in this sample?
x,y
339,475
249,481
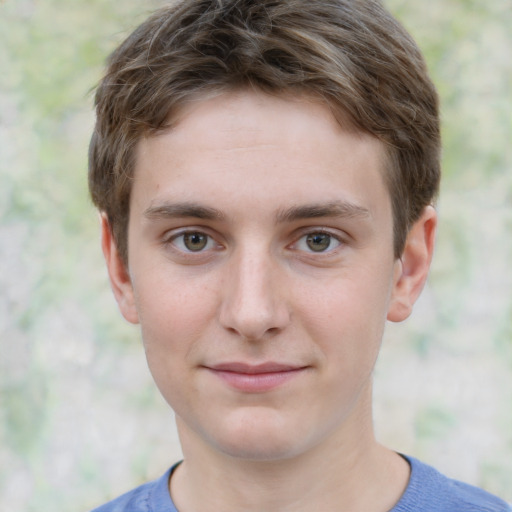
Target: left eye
x,y
193,241
318,242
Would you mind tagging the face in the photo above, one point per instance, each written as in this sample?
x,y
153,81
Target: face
x,y
261,270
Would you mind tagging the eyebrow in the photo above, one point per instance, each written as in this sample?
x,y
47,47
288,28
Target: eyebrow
x,y
181,210
338,209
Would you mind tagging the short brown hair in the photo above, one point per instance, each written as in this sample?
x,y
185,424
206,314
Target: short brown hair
x,y
351,53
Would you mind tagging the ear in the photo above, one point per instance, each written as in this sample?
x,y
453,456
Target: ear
x,y
118,273
411,269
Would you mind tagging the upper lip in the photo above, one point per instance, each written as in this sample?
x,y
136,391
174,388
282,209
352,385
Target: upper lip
x,y
254,369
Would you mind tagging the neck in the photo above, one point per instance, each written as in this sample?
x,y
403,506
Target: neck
x,y
350,471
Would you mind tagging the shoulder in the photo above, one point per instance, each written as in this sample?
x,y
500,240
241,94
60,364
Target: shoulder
x,y
429,490
150,497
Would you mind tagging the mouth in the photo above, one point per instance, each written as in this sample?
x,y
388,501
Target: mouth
x,y
259,378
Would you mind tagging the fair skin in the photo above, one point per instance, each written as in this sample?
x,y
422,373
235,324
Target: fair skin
x,y
261,271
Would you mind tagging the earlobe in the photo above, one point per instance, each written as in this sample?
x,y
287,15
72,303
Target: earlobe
x,y
120,281
411,270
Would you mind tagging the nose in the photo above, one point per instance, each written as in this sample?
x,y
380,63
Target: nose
x,y
254,305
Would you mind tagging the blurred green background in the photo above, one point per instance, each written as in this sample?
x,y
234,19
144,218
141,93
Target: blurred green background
x,y
80,420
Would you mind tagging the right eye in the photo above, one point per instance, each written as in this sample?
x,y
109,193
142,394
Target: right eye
x,y
192,241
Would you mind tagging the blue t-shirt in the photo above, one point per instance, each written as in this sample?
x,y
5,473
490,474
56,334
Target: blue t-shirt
x,y
427,491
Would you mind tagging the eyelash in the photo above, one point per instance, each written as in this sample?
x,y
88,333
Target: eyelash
x,y
178,241
173,240
315,232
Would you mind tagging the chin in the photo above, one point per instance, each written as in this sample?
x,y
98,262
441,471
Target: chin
x,y
260,437
259,449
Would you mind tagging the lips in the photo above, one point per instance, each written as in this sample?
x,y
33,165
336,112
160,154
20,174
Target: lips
x,y
255,369
256,378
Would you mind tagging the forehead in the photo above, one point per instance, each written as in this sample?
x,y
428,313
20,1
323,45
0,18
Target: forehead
x,y
245,110
289,147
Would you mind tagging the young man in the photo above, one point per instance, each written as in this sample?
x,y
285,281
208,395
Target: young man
x,y
265,172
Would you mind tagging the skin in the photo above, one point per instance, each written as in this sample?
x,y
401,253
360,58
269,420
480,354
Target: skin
x,y
260,233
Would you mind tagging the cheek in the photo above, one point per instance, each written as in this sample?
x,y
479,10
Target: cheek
x,y
173,320
346,317
173,312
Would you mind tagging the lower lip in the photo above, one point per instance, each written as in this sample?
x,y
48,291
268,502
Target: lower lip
x,y
257,382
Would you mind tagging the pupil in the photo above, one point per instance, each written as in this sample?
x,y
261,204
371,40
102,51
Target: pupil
x,y
195,241
318,242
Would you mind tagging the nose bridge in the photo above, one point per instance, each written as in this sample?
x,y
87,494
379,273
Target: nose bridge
x,y
253,304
